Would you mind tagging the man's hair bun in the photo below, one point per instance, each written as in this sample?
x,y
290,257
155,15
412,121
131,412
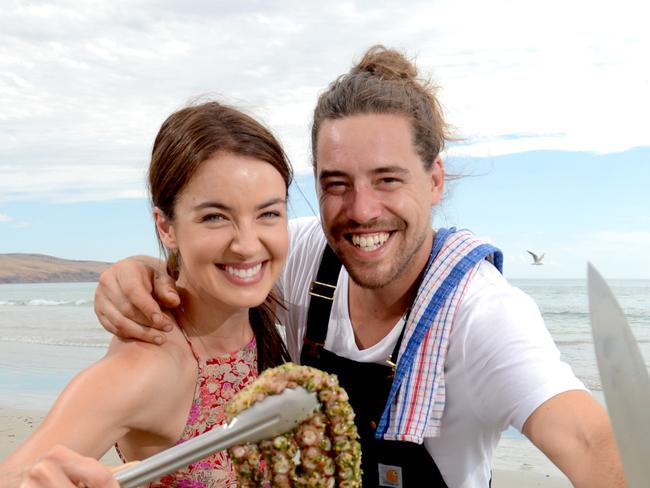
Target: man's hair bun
x,y
387,64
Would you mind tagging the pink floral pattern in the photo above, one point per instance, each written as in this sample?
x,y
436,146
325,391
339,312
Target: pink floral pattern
x,y
219,380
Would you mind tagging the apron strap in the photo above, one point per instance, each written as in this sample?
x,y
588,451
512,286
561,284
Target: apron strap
x,y
322,291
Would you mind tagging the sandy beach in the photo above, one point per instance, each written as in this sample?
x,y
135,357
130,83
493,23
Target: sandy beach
x,y
16,425
515,465
519,464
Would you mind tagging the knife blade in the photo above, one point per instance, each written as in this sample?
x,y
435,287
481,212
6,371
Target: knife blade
x,y
624,378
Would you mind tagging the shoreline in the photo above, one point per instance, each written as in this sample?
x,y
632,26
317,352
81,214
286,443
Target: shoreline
x,y
516,463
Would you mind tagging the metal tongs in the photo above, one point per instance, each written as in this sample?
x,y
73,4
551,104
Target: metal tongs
x,y
270,417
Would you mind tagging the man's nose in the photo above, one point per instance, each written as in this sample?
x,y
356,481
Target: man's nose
x,y
363,205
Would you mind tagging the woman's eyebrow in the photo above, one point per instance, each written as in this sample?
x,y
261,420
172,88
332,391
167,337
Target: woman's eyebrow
x,y
272,201
212,204
223,206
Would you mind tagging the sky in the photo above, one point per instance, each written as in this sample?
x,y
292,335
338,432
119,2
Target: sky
x,y
549,100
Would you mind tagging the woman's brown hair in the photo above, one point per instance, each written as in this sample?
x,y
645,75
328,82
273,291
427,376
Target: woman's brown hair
x,y
186,139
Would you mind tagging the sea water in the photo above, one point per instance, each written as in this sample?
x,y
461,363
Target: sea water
x,y
48,332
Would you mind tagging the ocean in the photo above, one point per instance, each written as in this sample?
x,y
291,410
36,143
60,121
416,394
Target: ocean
x,y
48,332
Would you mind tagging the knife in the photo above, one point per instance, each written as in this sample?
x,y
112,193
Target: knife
x,y
624,378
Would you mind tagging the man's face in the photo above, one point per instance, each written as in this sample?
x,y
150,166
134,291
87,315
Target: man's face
x,y
375,196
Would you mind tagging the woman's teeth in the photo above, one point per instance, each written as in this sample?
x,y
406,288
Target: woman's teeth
x,y
370,242
243,273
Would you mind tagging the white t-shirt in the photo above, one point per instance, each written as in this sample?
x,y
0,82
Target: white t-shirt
x,y
501,364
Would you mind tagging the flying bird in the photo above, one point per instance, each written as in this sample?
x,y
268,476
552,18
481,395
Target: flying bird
x,y
537,260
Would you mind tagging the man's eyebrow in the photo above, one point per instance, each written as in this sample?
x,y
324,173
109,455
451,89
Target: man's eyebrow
x,y
223,206
332,173
390,169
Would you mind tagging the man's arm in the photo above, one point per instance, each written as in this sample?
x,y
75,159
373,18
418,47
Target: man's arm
x,y
574,432
518,378
129,298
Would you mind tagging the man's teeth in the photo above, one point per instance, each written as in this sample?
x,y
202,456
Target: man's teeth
x,y
370,242
243,273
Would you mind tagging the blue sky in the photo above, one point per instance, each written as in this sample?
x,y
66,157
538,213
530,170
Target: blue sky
x,y
552,111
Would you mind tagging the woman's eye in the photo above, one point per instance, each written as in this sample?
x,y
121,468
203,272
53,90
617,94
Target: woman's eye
x,y
271,214
213,218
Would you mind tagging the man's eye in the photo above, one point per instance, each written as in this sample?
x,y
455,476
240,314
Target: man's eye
x,y
334,186
271,214
390,181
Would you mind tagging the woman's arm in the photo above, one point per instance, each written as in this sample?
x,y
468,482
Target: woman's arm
x,y
101,404
61,468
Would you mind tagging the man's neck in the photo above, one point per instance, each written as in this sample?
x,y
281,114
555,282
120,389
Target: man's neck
x,y
375,311
373,318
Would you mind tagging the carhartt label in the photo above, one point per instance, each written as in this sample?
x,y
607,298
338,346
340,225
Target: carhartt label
x,y
390,476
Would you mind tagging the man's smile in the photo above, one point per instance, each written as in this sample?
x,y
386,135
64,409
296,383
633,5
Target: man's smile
x,y
368,241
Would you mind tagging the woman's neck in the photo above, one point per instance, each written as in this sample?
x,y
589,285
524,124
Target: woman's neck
x,y
215,329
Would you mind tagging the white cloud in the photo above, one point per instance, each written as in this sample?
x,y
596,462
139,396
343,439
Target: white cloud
x,y
85,85
68,183
5,218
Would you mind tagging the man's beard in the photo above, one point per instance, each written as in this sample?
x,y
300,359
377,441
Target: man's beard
x,y
367,275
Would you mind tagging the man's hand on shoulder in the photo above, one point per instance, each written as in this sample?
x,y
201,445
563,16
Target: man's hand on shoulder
x,y
129,297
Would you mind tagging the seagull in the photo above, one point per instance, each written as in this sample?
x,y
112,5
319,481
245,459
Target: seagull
x,y
537,260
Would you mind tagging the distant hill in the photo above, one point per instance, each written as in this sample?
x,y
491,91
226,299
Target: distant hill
x,y
38,268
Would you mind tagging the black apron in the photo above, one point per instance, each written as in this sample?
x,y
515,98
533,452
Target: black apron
x,y
397,464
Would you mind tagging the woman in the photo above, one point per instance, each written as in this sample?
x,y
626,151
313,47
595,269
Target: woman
x,y
218,182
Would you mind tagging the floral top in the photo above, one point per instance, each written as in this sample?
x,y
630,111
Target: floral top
x,y
219,379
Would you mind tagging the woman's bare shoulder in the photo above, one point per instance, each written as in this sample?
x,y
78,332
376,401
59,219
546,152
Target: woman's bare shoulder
x,y
151,371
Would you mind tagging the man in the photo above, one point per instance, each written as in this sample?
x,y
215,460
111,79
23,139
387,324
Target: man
x,y
438,353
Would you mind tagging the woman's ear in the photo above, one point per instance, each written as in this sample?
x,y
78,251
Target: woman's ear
x,y
165,229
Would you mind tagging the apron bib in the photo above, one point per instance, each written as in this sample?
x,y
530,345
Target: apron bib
x,y
384,463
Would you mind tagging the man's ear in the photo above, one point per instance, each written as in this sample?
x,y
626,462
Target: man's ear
x,y
437,180
165,229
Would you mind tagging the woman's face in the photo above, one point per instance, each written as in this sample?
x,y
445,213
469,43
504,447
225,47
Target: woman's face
x,y
230,228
